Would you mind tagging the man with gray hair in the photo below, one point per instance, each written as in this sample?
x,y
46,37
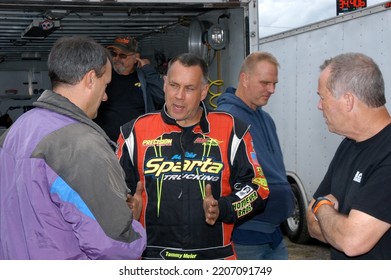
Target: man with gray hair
x,y
351,208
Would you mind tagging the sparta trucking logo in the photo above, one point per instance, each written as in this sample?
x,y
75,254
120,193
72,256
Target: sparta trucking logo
x,y
191,169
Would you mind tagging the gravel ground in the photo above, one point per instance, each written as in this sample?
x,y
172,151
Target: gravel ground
x,y
313,251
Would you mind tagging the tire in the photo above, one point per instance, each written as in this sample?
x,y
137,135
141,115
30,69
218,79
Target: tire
x,y
295,227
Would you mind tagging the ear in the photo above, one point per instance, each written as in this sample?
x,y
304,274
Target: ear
x,y
89,79
243,79
204,92
349,100
165,81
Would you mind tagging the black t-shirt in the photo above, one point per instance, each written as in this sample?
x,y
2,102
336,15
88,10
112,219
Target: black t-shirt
x,y
125,102
359,176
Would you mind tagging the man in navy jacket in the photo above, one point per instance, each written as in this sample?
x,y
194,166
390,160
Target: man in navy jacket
x,y
261,237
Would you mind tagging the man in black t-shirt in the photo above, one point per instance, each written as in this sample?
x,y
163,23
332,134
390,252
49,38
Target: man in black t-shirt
x,y
136,87
351,209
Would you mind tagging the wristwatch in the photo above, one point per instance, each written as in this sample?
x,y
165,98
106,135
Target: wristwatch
x,y
319,202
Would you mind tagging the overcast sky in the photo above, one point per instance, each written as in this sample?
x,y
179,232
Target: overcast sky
x,y
280,15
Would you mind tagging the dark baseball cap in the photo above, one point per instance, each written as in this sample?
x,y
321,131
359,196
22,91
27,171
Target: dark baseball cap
x,y
125,43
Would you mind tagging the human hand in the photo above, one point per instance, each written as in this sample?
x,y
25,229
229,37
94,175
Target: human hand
x,y
211,206
135,202
142,61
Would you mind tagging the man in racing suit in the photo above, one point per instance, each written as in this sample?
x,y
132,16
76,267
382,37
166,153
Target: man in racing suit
x,y
198,170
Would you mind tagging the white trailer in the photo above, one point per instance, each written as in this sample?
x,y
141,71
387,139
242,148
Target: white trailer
x,y
307,145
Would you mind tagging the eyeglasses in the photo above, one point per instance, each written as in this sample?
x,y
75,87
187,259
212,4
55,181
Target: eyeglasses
x,y
121,55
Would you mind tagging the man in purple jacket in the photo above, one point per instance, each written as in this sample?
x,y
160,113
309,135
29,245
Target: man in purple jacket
x,y
62,190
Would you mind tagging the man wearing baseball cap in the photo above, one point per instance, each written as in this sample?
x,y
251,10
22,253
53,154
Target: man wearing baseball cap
x,y
136,87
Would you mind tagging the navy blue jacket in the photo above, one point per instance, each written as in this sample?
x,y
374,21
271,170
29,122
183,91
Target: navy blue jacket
x,y
263,130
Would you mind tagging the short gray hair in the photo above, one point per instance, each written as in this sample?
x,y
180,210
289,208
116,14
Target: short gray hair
x,y
357,73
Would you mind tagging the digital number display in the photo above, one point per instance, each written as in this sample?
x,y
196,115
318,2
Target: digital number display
x,y
344,6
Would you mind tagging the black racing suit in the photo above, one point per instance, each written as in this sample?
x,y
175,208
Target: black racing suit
x,y
174,164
